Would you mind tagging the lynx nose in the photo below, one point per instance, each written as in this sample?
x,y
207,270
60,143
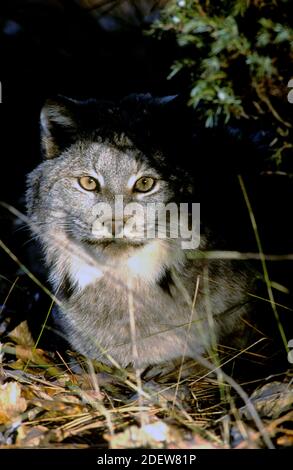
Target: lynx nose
x,y
115,226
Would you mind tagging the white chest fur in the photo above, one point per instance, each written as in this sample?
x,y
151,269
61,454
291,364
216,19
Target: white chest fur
x,y
82,273
145,264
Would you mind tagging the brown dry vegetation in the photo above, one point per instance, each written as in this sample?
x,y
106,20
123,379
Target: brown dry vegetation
x,y
63,400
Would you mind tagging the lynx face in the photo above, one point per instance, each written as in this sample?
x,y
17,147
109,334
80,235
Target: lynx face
x,y
101,194
101,189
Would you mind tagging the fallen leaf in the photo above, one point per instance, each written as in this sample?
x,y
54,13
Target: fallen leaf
x,y
271,400
11,402
30,437
135,436
285,441
21,335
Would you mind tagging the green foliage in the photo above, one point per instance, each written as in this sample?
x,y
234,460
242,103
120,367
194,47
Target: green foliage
x,y
235,59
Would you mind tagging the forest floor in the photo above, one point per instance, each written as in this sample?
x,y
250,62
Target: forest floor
x,y
62,400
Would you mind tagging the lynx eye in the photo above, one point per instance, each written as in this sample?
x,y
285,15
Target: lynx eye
x,y
144,184
88,183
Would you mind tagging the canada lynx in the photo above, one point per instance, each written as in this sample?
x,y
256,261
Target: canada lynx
x,y
136,299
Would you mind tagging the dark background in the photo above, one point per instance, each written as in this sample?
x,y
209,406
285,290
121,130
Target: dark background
x,y
59,47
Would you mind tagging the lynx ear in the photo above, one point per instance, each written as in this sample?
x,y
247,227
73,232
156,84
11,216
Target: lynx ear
x,y
166,99
58,127
148,99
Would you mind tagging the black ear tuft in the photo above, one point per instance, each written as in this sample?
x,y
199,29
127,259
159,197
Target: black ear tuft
x,y
146,99
58,125
164,100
